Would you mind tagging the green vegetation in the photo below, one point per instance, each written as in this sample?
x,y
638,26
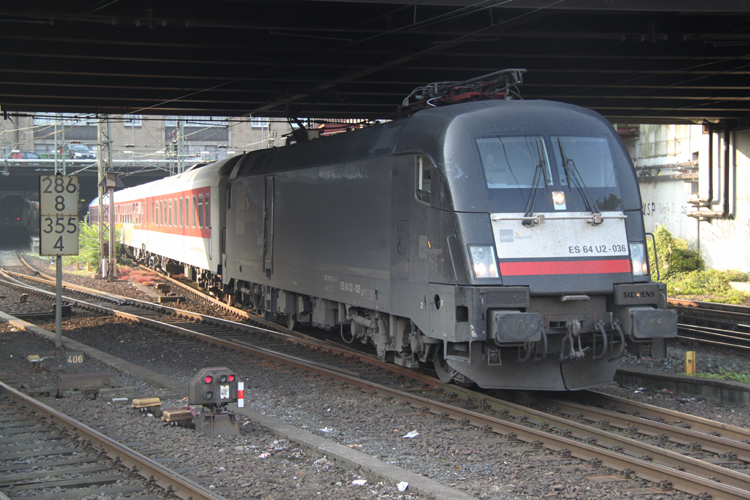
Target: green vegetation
x,y
88,245
684,271
725,375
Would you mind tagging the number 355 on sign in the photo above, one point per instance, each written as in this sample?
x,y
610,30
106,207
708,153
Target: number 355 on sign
x,y
58,213
58,235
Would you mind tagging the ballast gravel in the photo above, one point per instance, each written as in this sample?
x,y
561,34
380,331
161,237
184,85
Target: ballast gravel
x,y
256,464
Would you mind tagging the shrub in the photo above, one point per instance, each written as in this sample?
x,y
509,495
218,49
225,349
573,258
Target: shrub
x,y
684,271
674,255
88,245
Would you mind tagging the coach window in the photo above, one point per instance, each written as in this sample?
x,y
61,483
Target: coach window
x,y
174,215
187,211
208,213
192,212
424,176
200,211
182,213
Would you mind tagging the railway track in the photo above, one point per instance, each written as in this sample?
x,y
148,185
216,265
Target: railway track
x,y
721,325
44,453
652,444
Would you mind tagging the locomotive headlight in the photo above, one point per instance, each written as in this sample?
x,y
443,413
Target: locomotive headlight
x,y
638,259
558,200
478,254
483,261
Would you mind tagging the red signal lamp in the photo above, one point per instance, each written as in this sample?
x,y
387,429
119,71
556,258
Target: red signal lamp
x,y
208,379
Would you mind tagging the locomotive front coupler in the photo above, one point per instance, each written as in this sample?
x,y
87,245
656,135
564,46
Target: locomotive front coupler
x,y
573,337
605,341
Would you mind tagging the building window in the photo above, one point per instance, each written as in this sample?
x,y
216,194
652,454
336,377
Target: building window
x,y
196,121
132,120
66,119
259,121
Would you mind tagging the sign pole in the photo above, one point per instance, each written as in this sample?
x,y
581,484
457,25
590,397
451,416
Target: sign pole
x,y
58,229
58,302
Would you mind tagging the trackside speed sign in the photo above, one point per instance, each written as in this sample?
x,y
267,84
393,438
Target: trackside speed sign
x,y
58,212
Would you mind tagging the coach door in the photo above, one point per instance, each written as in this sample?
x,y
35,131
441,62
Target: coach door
x,y
268,227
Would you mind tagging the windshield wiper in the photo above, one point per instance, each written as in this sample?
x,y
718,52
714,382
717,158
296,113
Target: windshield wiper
x,y
540,167
574,177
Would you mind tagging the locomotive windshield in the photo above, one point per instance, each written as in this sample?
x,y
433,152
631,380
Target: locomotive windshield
x,y
580,166
511,162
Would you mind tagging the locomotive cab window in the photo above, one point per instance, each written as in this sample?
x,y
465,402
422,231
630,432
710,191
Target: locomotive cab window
x,y
589,156
515,161
424,178
532,173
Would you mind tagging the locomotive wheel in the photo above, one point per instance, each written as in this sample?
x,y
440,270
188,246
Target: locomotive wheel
x,y
445,373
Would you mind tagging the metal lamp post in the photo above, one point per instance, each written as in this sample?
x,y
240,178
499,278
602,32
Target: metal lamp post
x,y
110,182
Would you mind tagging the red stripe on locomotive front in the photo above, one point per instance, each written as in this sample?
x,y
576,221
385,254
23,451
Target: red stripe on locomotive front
x,y
565,267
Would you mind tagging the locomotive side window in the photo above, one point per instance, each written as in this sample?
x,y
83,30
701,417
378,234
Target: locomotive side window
x,y
424,176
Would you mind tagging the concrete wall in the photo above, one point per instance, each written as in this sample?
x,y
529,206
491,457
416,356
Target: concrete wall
x,y
672,163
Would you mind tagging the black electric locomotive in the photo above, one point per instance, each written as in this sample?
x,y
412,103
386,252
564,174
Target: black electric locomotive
x,y
502,241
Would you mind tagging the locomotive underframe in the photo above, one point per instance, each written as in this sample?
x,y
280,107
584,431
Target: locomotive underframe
x,y
576,330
